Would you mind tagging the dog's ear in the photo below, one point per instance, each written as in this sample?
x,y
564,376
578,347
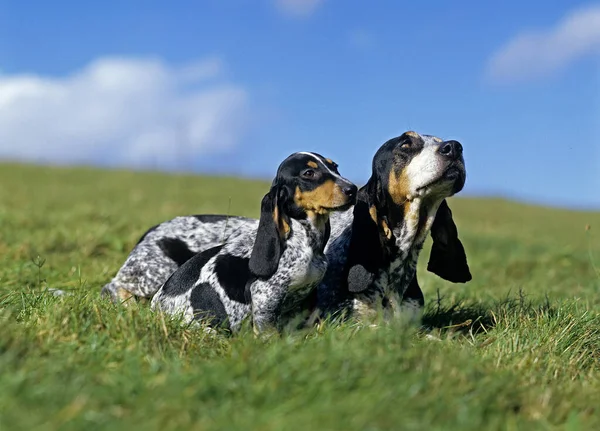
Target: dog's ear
x,y
365,253
273,228
375,189
448,259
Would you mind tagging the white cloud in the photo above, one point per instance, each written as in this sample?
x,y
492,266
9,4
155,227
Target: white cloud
x,y
298,8
122,111
540,53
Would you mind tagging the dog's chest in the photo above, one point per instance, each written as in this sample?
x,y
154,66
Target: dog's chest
x,y
396,277
409,243
303,280
305,260
307,271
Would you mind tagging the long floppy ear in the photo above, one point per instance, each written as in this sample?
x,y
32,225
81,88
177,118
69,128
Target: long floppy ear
x,y
365,253
270,237
448,259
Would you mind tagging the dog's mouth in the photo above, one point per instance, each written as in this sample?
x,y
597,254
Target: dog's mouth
x,y
453,174
342,207
346,202
328,209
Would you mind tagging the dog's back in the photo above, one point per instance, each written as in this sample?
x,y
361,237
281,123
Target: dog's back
x,y
167,246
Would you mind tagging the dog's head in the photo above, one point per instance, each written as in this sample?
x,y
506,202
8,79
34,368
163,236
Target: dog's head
x,y
307,186
416,168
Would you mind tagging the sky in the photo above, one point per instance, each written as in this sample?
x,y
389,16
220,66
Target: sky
x,y
235,86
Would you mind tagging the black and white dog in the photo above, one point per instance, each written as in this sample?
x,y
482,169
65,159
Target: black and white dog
x,y
374,246
268,268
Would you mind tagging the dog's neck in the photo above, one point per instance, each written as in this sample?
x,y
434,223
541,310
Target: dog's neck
x,y
317,229
411,229
409,234
402,230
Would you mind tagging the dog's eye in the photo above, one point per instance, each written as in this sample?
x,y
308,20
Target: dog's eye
x,y
309,173
407,144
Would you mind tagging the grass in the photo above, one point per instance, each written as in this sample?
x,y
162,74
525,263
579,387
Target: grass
x,y
517,348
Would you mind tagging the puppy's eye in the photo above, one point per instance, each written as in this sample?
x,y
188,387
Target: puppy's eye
x,y
407,144
309,173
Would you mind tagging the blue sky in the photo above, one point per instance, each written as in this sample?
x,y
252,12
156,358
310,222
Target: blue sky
x,y
234,86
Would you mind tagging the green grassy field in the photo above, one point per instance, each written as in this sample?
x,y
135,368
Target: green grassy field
x,y
516,348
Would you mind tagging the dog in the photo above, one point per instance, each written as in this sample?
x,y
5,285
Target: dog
x,y
267,268
381,218
375,246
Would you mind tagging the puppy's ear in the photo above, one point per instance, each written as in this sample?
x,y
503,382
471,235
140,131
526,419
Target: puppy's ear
x,y
448,259
269,244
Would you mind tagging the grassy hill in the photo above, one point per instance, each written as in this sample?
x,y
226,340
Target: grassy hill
x,y
517,347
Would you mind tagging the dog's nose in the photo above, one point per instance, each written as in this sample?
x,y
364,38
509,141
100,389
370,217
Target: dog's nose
x,y
451,149
350,190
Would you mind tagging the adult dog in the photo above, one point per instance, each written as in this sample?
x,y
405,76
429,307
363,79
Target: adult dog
x,y
375,246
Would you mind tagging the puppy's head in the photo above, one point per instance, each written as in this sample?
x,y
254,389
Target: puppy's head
x,y
414,166
307,185
310,184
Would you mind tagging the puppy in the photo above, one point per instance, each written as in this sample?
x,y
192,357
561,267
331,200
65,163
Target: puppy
x,y
267,268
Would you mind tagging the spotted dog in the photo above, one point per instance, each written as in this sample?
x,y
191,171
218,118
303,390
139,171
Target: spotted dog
x,y
268,268
375,245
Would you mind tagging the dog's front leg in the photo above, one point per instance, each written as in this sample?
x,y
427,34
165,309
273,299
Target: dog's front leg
x,y
267,300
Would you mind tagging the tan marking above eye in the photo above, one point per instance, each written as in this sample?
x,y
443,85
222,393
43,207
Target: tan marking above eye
x,y
436,139
412,134
312,164
331,162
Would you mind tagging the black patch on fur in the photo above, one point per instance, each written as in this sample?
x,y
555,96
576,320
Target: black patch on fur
x,y
414,293
176,250
153,228
214,218
208,306
233,274
187,275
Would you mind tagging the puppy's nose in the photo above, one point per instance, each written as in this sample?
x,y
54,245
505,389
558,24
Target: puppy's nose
x,y
350,190
451,149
